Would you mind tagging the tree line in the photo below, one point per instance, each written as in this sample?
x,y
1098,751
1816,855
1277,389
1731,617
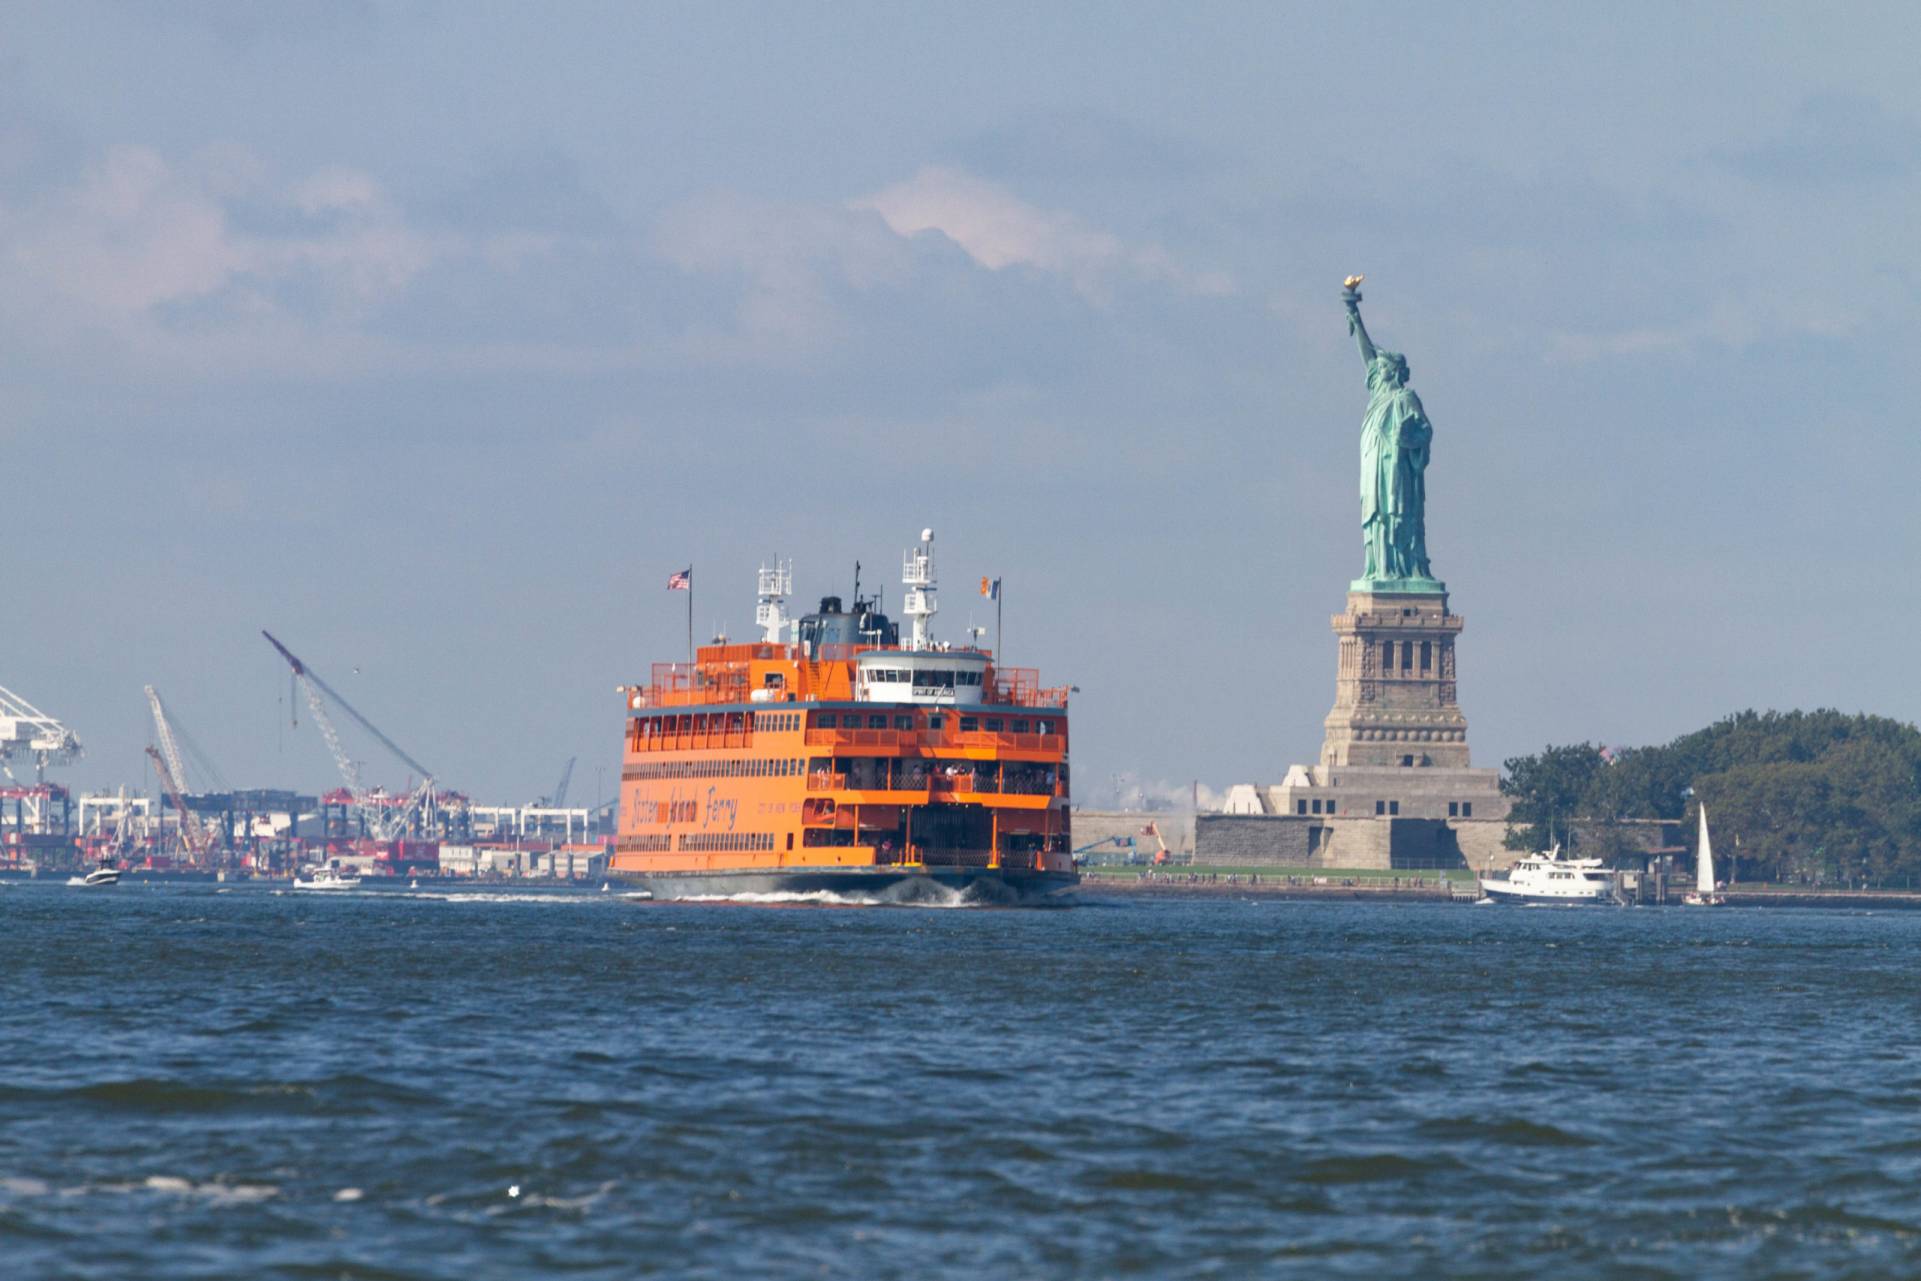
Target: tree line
x,y
1791,796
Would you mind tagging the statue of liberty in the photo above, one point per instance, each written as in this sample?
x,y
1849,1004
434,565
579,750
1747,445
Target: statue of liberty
x,y
1395,435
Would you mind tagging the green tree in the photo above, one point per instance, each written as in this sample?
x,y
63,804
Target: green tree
x,y
1550,792
1815,795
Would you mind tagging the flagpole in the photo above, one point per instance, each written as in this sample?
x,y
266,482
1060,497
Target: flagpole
x,y
1000,658
690,626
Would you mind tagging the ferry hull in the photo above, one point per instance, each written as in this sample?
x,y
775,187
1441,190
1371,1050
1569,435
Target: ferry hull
x,y
885,884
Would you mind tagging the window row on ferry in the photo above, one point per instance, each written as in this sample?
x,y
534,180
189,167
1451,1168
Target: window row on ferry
x,y
937,721
922,678
736,767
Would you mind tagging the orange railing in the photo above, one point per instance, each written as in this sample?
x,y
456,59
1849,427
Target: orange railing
x,y
725,674
899,738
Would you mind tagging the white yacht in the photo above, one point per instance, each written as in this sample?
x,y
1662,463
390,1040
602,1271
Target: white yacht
x,y
1704,887
1549,878
327,878
96,878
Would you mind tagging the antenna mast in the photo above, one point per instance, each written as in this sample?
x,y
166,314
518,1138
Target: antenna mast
x,y
776,585
923,600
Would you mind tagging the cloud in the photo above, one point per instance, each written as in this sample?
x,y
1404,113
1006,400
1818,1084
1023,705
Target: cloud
x,y
1747,316
137,238
212,265
793,262
998,230
1084,147
1833,140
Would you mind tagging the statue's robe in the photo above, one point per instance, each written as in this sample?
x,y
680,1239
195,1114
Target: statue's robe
x,y
1395,436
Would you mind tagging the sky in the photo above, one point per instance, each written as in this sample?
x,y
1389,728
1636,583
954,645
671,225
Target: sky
x,y
433,337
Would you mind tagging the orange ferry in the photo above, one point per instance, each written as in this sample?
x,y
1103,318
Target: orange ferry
x,y
831,756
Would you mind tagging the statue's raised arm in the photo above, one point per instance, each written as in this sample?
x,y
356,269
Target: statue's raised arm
x,y
1351,295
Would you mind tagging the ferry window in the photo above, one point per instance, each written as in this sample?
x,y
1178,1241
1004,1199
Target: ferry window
x,y
969,724
1467,809
1043,726
1300,807
936,720
1394,807
993,725
1454,809
876,722
825,720
903,722
1020,727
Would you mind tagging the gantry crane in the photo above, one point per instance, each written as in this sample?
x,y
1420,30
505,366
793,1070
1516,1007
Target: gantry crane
x,y
384,822
26,730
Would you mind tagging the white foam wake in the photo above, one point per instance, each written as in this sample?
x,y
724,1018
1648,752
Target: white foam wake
x,y
914,894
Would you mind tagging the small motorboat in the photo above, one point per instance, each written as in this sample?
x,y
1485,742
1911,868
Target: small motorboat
x,y
98,877
414,884
1551,879
327,878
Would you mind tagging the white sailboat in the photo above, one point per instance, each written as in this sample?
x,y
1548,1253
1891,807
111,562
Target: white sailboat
x,y
1704,895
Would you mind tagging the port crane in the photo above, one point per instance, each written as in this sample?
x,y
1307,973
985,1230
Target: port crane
x,y
384,821
27,731
559,798
195,835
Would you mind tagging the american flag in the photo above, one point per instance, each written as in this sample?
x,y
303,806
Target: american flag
x,y
681,580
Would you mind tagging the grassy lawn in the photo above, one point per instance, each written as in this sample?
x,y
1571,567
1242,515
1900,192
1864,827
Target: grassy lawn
x,y
1275,873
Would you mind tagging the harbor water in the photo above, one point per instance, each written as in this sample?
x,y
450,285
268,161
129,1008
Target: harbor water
x,y
210,1081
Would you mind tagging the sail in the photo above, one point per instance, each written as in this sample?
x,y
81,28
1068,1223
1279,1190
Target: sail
x,y
1704,859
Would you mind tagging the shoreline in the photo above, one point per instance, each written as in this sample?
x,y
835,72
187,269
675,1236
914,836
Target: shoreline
x,y
1278,888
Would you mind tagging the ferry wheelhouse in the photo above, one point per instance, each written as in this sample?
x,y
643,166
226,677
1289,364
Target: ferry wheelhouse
x,y
829,755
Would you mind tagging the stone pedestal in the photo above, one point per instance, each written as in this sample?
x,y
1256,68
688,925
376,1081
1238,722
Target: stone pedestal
x,y
1395,786
1394,686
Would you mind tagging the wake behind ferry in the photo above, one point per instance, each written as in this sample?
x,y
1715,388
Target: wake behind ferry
x,y
830,756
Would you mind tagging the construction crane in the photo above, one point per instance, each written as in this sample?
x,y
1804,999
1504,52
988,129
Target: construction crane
x,y
197,839
195,835
559,798
1161,853
384,822
25,730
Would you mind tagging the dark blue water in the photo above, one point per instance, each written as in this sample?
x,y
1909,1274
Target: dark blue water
x,y
201,1083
